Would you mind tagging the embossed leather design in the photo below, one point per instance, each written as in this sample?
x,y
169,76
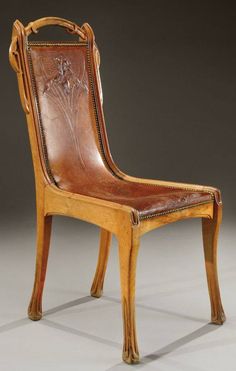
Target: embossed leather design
x,y
73,149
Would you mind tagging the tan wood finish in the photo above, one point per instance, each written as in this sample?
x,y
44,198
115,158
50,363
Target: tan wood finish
x,y
113,218
105,243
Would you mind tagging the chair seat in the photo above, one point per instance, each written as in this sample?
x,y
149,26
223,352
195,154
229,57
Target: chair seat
x,y
148,199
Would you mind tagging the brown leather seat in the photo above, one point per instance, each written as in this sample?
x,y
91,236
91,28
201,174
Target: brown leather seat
x,y
148,199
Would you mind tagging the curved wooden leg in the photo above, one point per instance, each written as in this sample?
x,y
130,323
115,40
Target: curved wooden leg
x,y
128,250
210,228
43,243
105,242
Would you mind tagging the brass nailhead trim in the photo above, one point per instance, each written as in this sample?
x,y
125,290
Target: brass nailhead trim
x,y
57,43
173,210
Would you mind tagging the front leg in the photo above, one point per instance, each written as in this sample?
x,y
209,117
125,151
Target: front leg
x,y
128,250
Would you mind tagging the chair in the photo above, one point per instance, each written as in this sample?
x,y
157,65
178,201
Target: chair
x,y
61,94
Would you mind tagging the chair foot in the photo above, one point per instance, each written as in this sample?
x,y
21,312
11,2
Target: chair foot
x,y
130,357
218,318
34,316
35,310
96,292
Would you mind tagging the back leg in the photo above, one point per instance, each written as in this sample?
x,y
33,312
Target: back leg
x,y
105,242
43,242
210,229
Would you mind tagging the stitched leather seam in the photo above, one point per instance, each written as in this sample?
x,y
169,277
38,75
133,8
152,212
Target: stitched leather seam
x,y
171,211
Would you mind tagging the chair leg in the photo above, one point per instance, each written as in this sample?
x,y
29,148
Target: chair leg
x,y
128,250
105,242
210,229
43,243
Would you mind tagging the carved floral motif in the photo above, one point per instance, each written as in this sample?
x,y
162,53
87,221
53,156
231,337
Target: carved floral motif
x,y
64,89
65,77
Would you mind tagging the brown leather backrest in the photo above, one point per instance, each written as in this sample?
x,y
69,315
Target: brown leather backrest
x,y
60,89
60,76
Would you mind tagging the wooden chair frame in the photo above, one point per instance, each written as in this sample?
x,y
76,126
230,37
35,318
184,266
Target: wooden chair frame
x,y
112,218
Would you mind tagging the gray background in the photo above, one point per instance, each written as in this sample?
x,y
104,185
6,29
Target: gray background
x,y
168,73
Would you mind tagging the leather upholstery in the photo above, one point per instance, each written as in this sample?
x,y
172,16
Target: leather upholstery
x,y
73,149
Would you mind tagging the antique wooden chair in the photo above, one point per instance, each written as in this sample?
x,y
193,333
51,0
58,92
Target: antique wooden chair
x,y
60,91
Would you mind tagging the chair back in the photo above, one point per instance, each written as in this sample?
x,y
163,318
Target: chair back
x,y
61,94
